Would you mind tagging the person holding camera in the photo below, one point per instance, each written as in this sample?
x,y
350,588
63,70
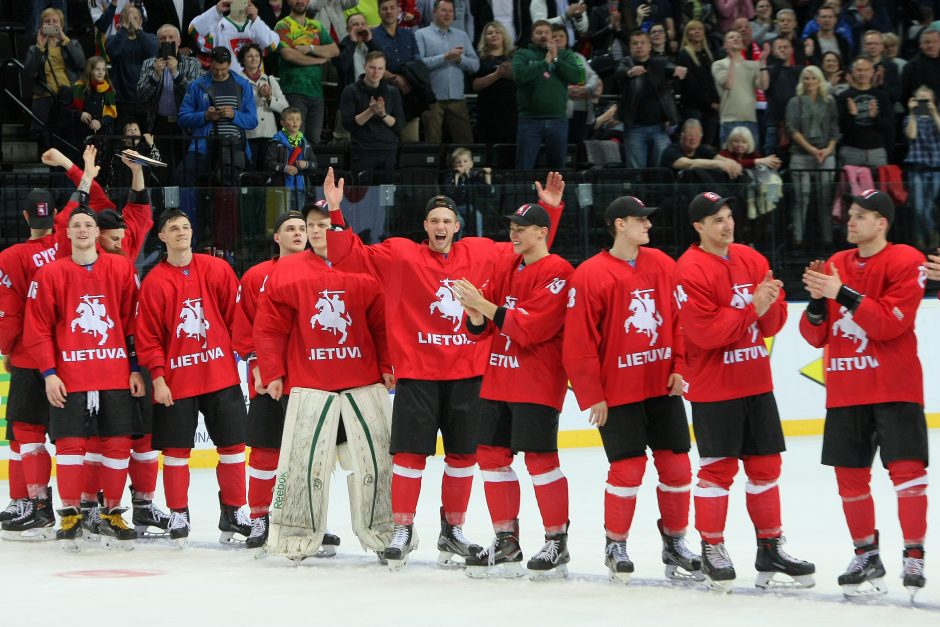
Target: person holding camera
x,y
106,17
128,48
353,48
922,129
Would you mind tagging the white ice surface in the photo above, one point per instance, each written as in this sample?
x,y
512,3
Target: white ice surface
x,y
208,584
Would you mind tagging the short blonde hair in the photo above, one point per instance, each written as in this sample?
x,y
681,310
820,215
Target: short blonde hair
x,y
744,133
461,152
823,83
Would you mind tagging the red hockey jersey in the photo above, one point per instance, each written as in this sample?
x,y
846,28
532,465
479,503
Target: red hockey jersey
x,y
320,328
524,356
249,292
78,319
622,337
726,355
184,325
18,266
426,333
872,354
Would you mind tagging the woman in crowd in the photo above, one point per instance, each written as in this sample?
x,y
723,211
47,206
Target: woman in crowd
x,y
834,73
495,88
762,26
759,190
609,26
922,129
268,99
813,124
699,93
660,41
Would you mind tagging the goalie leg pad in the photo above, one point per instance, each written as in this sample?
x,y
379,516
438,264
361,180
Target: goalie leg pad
x,y
366,412
302,486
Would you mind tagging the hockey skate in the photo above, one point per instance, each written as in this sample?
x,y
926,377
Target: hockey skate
x,y
115,534
404,541
452,542
772,559
259,532
329,545
13,510
913,568
617,561
35,524
865,568
681,563
233,520
503,558
552,561
179,527
717,567
91,521
70,529
147,517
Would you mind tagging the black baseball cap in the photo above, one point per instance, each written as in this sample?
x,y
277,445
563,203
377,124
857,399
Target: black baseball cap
x,y
530,214
706,204
627,206
40,207
170,214
110,219
440,201
873,200
83,210
284,217
221,54
319,205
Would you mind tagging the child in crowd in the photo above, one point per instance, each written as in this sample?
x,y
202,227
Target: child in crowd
x,y
291,155
93,100
468,185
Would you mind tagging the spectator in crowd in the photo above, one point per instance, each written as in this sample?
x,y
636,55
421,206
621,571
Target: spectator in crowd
x,y
353,48
731,10
234,29
866,119
752,191
468,186
741,147
784,76
892,44
332,14
497,113
660,46
93,101
649,12
824,38
305,46
449,55
701,11
106,16
179,15
608,127
924,68
34,9
699,95
571,15
691,154
464,19
161,87
132,139
763,23
647,102
53,63
786,24
840,25
865,15
609,27
400,48
273,11
834,72
513,15
581,96
738,80
887,76
289,154
128,48
542,73
922,129
752,51
372,113
269,99
813,125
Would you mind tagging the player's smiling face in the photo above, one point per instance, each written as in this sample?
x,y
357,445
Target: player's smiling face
x,y
717,230
292,235
177,234
82,232
440,225
525,238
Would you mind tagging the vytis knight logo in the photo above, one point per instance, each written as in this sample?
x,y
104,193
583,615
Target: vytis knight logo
x,y
447,305
332,314
194,323
92,318
645,318
741,298
847,327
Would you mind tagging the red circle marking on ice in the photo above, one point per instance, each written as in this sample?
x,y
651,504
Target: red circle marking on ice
x,y
109,574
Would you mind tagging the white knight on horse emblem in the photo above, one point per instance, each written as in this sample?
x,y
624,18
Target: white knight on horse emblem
x,y
848,328
93,318
332,314
447,304
194,323
645,319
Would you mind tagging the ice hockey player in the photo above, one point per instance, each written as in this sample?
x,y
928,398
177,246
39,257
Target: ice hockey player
x,y
625,355
864,302
729,303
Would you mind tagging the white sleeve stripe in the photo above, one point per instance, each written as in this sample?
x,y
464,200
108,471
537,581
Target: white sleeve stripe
x,y
922,480
455,471
753,488
93,458
551,476
713,492
69,460
32,448
623,491
235,458
264,475
115,464
144,457
403,471
497,476
674,488
175,461
15,457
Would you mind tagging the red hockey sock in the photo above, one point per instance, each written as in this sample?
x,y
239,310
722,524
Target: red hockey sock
x,y
176,477
262,469
143,468
17,479
91,470
551,490
407,469
456,485
763,494
115,454
715,476
909,477
857,503
500,485
674,490
37,464
623,482
70,457
230,473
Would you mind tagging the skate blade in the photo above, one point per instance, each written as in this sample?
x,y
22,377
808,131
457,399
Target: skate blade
x,y
118,545
446,559
70,546
325,550
621,578
228,539
144,533
874,588
396,565
675,573
382,560
766,581
507,570
261,552
30,535
725,586
913,590
180,543
559,572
